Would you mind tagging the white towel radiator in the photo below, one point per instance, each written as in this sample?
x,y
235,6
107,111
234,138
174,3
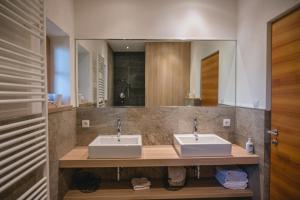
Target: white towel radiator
x,y
23,101
100,81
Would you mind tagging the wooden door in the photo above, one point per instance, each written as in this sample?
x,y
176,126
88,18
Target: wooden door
x,y
210,80
285,156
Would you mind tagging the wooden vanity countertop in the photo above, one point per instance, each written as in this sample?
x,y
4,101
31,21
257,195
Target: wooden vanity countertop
x,y
155,155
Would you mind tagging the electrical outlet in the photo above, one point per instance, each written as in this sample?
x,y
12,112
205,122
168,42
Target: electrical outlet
x,y
226,122
85,123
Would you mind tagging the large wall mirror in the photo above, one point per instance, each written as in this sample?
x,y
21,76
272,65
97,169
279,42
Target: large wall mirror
x,y
155,73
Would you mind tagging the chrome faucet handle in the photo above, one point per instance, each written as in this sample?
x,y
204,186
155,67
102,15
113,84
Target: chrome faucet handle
x,y
119,128
118,122
195,125
195,129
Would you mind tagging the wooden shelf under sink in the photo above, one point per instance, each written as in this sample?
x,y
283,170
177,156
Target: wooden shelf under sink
x,y
156,155
194,189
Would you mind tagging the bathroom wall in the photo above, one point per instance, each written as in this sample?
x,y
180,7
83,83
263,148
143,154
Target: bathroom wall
x,y
253,123
156,125
155,19
62,138
253,16
63,17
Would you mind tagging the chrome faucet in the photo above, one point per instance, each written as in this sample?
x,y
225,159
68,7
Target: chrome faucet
x,y
195,128
119,128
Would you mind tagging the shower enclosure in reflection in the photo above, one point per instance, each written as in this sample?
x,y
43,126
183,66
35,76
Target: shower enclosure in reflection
x,y
129,78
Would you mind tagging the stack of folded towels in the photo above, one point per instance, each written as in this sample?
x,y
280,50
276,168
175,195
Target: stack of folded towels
x,y
140,183
232,178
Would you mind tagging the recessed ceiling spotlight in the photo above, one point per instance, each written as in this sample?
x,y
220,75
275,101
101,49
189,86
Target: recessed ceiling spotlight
x,y
127,47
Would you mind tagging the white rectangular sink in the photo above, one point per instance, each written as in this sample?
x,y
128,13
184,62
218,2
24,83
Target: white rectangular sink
x,y
108,146
186,145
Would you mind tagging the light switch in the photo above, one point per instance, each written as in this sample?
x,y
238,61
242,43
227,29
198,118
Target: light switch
x,y
226,122
85,123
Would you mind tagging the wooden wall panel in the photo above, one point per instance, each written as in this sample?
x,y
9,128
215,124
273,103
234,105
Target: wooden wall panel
x,y
167,73
210,80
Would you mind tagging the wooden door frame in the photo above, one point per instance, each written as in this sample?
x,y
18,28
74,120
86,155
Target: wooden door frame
x,y
267,138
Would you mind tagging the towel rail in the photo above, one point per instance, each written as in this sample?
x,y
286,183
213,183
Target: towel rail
x,y
20,146
20,131
25,14
21,85
21,153
27,23
25,173
23,160
35,187
13,173
26,50
8,101
21,26
100,80
21,63
13,69
21,78
38,4
21,55
21,123
41,194
14,93
44,197
24,127
36,14
21,138
35,7
38,193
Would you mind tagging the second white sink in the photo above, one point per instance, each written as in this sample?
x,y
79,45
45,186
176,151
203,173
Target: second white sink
x,y
110,146
186,145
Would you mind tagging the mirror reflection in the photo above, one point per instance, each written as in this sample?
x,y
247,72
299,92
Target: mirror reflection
x,y
155,73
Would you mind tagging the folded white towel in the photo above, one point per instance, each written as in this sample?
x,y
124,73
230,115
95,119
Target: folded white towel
x,y
141,187
235,185
232,174
140,183
232,184
233,178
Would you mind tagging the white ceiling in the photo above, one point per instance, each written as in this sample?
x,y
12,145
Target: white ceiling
x,y
120,45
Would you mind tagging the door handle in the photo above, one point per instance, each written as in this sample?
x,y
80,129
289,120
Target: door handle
x,y
274,141
274,132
